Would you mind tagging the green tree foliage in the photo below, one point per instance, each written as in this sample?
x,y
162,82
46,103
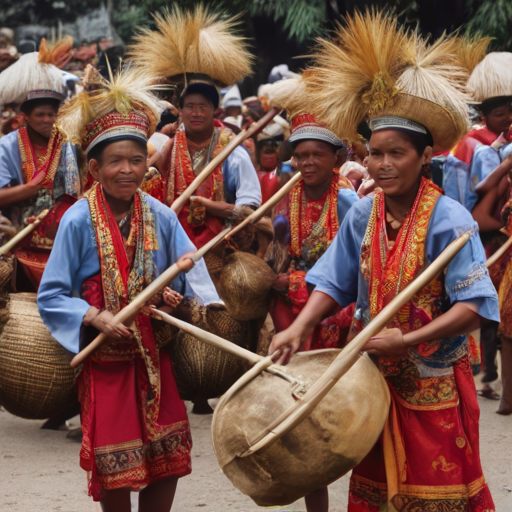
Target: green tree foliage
x,y
493,18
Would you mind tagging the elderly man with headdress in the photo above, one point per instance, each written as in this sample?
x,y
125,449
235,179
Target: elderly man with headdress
x,y
428,455
212,56
38,169
109,247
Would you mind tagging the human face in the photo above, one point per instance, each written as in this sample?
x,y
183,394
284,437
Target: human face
x,y
120,169
499,119
197,113
42,119
394,163
268,156
315,160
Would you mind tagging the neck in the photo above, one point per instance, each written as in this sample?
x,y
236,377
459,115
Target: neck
x,y
200,138
399,206
315,192
118,207
37,138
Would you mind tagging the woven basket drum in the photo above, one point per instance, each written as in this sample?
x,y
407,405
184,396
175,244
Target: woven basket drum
x,y
6,267
36,381
332,440
202,371
245,286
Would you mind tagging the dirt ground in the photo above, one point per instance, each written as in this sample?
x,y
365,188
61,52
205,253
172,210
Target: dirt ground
x,y
39,470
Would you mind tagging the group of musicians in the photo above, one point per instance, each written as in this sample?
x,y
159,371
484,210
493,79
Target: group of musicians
x,y
339,256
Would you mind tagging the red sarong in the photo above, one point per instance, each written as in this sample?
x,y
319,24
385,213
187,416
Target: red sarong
x,y
134,424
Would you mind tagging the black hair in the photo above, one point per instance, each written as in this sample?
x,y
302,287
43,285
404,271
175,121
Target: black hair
x,y
28,106
420,141
97,151
489,105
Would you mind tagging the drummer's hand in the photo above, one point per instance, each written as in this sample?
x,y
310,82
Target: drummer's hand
x,y
389,342
172,298
107,324
186,261
288,342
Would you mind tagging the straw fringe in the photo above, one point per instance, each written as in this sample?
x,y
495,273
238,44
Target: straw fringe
x,y
192,42
372,63
127,90
289,95
492,77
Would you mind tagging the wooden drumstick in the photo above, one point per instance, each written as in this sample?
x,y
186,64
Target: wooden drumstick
x,y
499,253
351,353
15,240
128,313
226,151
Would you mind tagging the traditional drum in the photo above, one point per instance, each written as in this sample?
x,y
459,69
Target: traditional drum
x,y
202,371
328,443
245,286
36,381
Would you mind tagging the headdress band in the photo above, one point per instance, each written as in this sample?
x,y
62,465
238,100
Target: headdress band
x,y
394,122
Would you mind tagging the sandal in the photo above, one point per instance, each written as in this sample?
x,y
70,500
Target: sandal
x,y
488,393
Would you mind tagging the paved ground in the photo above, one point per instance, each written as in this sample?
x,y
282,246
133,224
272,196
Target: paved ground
x,y
39,470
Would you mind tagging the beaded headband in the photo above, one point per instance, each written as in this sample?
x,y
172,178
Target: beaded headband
x,y
394,122
306,127
115,125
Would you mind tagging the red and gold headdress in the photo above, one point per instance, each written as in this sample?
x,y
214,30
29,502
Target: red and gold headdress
x,y
122,108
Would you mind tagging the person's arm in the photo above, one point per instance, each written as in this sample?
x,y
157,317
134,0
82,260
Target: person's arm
x,y
494,178
20,193
318,307
482,213
219,209
460,319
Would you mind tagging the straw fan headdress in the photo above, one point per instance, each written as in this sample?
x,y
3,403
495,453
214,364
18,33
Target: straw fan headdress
x,y
193,47
376,72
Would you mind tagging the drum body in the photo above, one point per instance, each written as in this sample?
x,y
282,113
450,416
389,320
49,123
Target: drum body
x,y
202,371
36,381
327,444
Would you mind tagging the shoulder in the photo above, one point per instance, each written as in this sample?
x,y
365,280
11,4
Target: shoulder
x,y
10,140
238,156
77,213
162,212
362,208
450,215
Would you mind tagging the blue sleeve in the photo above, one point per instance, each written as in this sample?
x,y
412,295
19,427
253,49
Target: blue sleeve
x,y
10,161
60,308
455,179
346,198
485,160
241,183
336,273
466,278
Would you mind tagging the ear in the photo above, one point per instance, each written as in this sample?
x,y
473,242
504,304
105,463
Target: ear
x,y
427,155
94,169
340,158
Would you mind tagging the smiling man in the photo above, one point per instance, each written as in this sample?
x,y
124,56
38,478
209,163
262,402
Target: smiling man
x,y
38,170
199,139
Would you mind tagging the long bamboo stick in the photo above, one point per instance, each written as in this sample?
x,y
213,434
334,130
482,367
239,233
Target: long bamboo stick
x,y
499,253
15,240
127,314
351,352
228,149
256,215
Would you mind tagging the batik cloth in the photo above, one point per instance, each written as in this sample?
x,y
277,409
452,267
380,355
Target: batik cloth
x,y
428,455
234,181
311,227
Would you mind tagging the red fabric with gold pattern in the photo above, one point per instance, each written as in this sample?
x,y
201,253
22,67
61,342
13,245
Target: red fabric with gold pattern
x,y
313,226
200,228
135,427
428,455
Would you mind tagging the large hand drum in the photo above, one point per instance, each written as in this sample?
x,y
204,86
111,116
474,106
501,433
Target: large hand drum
x,y
331,441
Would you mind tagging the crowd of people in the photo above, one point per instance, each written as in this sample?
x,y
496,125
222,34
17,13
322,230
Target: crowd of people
x,y
391,172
